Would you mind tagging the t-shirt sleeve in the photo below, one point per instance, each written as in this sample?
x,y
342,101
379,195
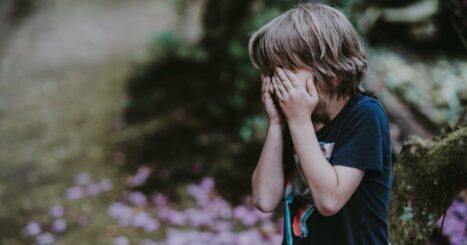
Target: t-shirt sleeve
x,y
361,140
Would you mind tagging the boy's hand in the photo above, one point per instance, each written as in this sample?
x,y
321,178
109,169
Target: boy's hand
x,y
297,101
272,111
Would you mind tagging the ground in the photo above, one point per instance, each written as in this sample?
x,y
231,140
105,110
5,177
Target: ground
x,y
61,81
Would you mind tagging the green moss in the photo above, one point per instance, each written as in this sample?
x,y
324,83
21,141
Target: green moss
x,y
427,176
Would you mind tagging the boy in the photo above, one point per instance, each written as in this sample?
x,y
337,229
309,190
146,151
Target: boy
x,y
327,152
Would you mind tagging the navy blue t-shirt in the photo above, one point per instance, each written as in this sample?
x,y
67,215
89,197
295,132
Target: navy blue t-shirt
x,y
357,137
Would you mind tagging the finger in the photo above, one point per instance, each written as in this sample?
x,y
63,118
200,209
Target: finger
x,y
270,86
292,78
277,91
284,79
267,89
281,88
311,88
265,81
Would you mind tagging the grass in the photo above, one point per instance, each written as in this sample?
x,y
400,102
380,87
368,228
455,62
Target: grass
x,y
60,128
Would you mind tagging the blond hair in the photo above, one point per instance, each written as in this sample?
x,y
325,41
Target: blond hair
x,y
315,37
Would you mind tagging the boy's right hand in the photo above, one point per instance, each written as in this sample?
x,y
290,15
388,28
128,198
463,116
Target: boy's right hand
x,y
272,110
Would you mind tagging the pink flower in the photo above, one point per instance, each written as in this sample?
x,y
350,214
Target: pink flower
x,y
458,240
140,177
93,189
202,191
246,216
117,209
164,212
174,217
159,199
201,195
453,226
56,211
174,236
263,216
192,237
32,229
222,226
82,178
74,193
45,239
59,225
144,220
276,239
249,237
137,198
225,237
106,184
218,207
121,212
197,217
147,242
207,184
121,240
151,225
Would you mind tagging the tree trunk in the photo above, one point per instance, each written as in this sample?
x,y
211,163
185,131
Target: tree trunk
x,y
427,177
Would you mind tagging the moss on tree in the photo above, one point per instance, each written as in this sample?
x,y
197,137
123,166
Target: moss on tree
x,y
427,177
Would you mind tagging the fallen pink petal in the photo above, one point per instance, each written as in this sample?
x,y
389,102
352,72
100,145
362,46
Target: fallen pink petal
x,y
59,225
32,229
45,239
83,178
75,193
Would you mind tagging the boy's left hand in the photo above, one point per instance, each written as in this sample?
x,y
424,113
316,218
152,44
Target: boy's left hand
x,y
296,100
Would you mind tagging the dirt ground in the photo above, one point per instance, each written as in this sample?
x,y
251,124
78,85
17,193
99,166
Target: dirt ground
x,y
61,91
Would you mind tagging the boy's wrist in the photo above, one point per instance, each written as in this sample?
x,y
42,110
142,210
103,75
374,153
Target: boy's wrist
x,y
300,122
276,126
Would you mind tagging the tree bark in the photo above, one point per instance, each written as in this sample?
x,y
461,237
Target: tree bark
x,y
427,177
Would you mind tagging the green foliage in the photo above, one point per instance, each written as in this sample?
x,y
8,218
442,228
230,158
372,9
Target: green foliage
x,y
180,5
253,125
407,214
171,45
213,86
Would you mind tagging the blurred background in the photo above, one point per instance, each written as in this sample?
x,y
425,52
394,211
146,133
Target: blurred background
x,y
140,122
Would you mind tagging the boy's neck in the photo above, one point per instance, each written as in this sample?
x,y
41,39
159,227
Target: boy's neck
x,y
328,112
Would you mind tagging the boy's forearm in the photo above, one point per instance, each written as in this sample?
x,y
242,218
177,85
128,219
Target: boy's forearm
x,y
268,179
320,174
